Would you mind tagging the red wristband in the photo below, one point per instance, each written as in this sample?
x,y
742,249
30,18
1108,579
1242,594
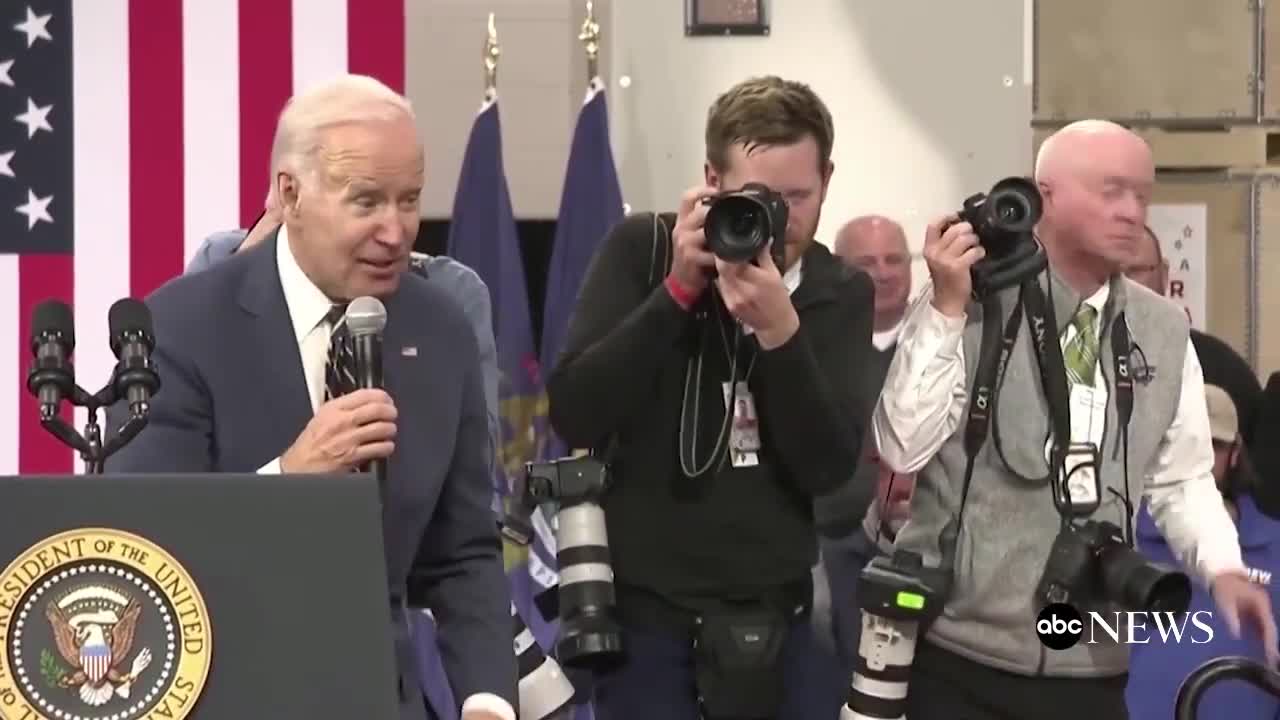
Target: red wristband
x,y
683,297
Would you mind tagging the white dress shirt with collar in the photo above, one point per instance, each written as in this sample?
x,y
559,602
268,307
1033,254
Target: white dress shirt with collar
x,y
924,398
308,306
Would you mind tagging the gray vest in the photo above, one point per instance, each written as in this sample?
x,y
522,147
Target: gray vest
x,y
1010,520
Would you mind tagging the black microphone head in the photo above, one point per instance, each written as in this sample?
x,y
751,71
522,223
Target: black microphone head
x,y
366,315
50,317
128,316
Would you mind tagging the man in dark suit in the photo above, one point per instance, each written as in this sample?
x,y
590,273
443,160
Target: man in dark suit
x,y
253,362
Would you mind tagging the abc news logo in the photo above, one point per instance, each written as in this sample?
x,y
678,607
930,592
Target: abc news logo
x,y
1060,626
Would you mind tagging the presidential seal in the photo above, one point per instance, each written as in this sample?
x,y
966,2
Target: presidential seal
x,y
99,624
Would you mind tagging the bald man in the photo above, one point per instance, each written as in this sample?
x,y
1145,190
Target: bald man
x,y
859,520
983,656
878,246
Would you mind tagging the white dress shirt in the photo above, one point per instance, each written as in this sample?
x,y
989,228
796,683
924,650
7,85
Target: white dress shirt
x,y
924,398
308,306
884,339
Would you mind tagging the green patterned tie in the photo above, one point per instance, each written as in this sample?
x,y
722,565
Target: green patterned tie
x,y
1081,354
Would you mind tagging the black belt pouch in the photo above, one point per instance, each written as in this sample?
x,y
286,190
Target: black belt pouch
x,y
737,661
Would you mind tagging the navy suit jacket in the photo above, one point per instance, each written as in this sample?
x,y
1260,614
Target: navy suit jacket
x,y
233,397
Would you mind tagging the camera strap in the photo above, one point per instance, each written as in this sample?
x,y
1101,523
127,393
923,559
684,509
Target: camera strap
x,y
993,357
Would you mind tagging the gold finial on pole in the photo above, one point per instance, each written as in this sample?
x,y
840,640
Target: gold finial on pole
x,y
590,37
491,53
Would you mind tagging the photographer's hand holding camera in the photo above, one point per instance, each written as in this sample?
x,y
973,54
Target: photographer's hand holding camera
x,y
1081,430
714,360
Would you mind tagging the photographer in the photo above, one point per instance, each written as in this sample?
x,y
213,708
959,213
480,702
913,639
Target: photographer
x,y
982,657
710,520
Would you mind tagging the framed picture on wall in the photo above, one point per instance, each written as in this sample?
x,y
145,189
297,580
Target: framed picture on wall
x,y
725,17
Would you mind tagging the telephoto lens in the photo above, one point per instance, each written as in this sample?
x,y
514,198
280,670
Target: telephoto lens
x,y
897,597
590,636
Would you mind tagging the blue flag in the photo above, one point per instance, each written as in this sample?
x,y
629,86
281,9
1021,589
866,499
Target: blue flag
x,y
483,235
590,204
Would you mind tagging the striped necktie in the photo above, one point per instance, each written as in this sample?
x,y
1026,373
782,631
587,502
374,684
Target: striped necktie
x,y
1081,354
340,370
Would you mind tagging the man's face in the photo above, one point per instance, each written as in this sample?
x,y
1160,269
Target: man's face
x,y
1147,267
1098,201
793,171
880,249
356,216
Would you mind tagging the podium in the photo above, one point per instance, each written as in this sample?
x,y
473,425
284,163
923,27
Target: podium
x,y
130,597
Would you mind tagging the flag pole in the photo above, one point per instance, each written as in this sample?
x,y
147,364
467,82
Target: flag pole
x,y
492,51
590,37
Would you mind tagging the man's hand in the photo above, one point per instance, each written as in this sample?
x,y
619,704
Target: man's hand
x,y
755,294
950,254
345,433
1238,598
691,261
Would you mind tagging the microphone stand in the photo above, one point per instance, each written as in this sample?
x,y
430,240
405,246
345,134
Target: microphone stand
x,y
92,450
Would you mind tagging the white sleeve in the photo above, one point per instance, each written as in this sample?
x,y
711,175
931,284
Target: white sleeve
x,y
924,396
271,468
1181,493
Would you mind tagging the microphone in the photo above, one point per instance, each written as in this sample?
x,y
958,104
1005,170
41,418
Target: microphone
x,y
366,318
53,337
132,341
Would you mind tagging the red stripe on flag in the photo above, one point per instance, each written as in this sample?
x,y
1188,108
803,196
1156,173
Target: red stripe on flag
x,y
266,82
40,278
155,145
375,40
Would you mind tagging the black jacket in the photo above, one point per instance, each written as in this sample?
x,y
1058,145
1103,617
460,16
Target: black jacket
x,y
622,374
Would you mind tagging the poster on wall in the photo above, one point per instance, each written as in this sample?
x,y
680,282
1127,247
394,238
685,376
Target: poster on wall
x,y
1182,231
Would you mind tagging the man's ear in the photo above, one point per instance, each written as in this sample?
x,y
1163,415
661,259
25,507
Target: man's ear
x,y
710,176
289,193
826,178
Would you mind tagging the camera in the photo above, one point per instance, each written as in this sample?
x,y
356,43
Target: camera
x,y
1091,566
1004,220
741,222
898,596
589,634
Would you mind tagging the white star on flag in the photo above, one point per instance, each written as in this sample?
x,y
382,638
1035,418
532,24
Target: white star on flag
x,y
35,118
5,160
36,209
5,67
35,27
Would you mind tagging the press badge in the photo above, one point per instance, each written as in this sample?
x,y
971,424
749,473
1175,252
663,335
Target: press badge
x,y
744,430
1081,459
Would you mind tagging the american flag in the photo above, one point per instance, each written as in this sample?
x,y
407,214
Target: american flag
x,y
129,131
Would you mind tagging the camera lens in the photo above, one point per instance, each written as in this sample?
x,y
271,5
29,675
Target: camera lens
x,y
1011,209
737,226
1137,585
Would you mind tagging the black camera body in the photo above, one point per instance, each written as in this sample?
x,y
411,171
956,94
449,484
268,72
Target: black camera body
x,y
1004,220
1091,567
741,222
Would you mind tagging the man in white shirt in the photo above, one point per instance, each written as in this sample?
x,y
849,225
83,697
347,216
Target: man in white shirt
x,y
982,656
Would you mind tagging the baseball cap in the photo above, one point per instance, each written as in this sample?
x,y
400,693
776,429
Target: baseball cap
x,y
1224,425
